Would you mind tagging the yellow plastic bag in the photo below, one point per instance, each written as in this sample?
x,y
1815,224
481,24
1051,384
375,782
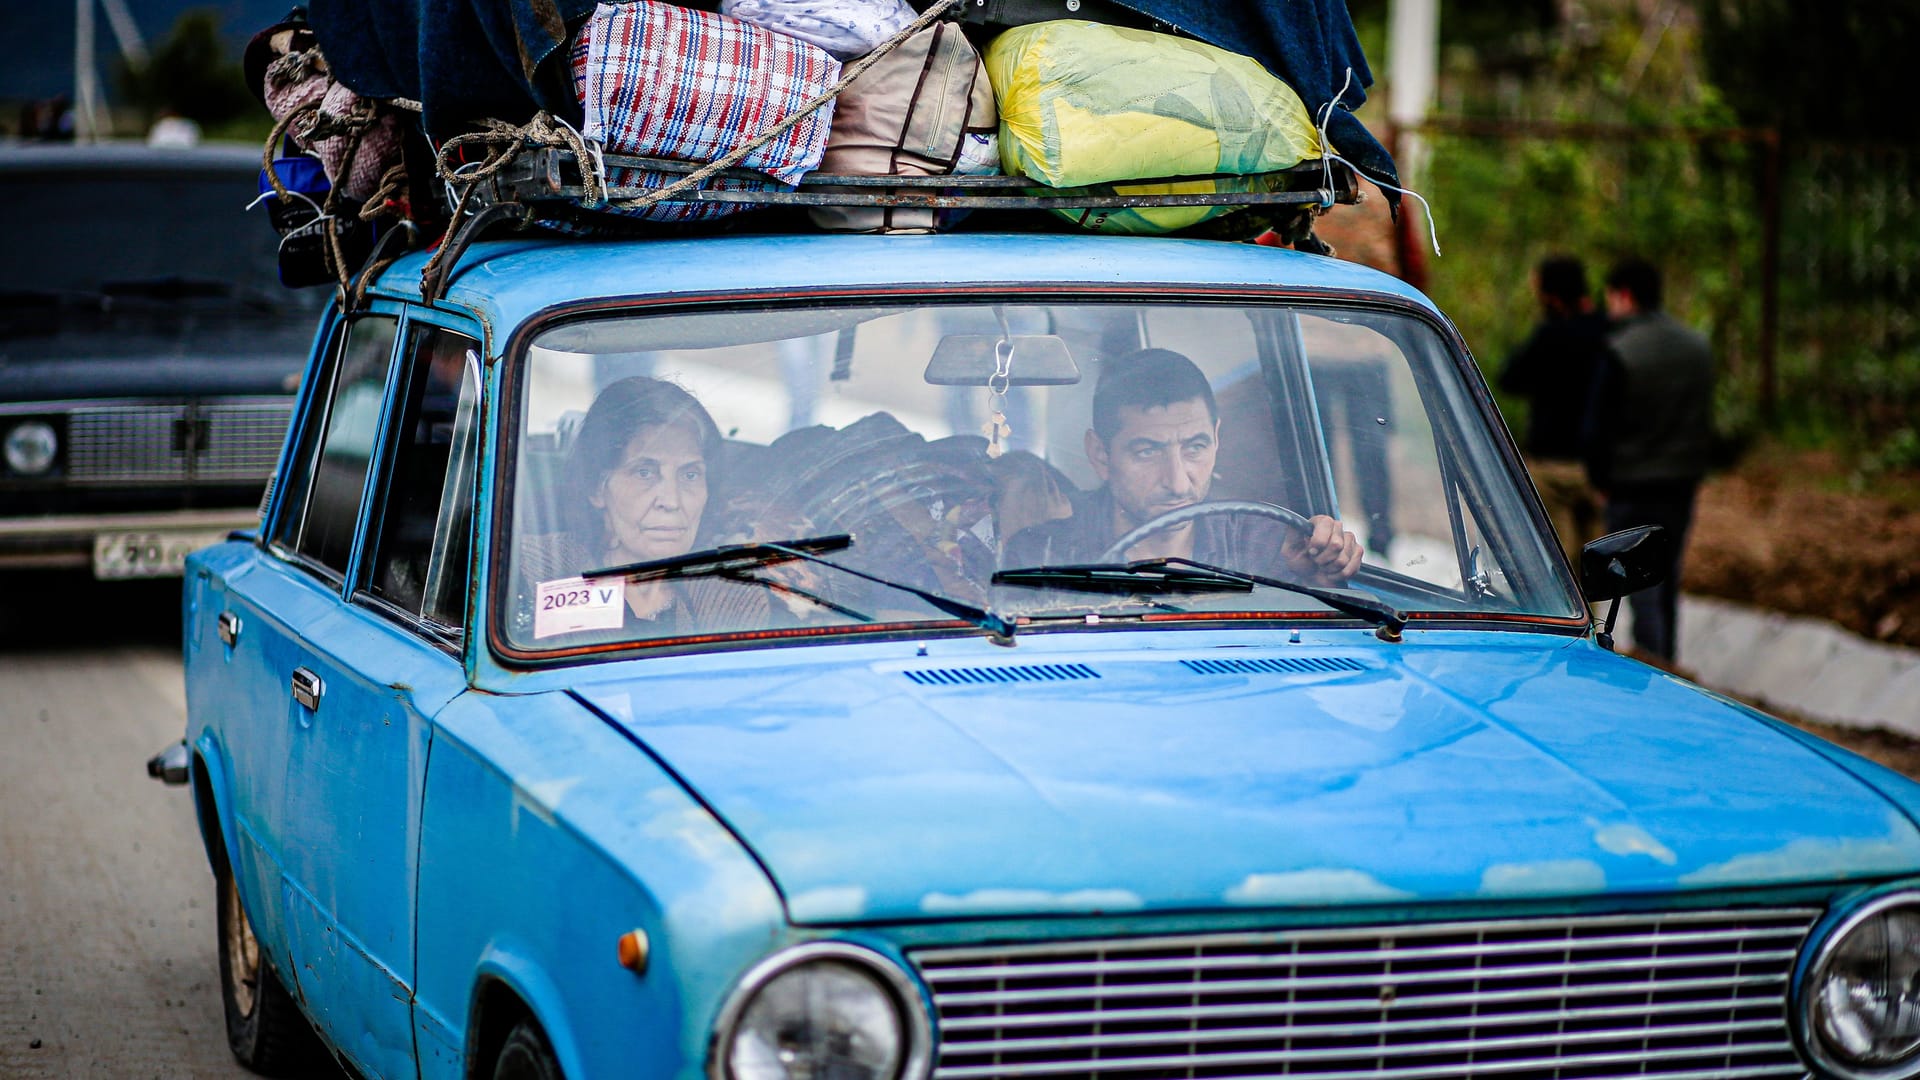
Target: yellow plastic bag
x,y
1086,103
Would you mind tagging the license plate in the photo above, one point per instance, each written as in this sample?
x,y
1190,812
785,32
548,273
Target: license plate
x,y
153,553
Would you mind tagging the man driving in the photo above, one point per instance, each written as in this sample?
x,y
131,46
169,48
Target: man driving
x,y
1153,444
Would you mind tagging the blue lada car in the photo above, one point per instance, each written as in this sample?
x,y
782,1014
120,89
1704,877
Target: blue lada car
x,y
967,656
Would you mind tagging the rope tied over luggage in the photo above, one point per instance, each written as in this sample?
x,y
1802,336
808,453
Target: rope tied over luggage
x,y
390,198
279,132
289,69
323,125
309,123
848,75
506,141
502,142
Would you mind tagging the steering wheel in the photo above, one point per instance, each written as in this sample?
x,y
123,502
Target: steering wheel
x,y
1181,515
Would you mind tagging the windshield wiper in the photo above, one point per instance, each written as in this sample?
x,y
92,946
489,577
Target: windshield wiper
x,y
723,559
794,590
737,560
1152,576
1186,575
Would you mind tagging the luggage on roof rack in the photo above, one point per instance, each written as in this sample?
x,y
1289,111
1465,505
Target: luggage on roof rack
x,y
465,60
681,116
1214,133
550,176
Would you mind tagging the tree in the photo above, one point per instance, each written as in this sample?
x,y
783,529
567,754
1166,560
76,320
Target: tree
x,y
189,75
1821,71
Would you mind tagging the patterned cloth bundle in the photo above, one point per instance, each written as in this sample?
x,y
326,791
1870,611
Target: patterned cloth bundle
x,y
658,80
848,29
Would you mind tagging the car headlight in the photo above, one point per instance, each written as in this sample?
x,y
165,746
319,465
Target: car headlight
x,y
1861,998
822,1010
30,447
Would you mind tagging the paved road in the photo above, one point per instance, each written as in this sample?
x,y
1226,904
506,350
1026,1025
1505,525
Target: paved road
x,y
107,962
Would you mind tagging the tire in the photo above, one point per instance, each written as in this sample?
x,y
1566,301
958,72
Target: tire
x,y
265,1028
526,1056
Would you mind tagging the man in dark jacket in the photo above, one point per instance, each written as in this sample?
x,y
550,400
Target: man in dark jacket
x,y
1153,443
1554,371
1654,434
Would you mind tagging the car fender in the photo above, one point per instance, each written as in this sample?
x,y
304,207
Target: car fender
x,y
1900,791
511,962
210,776
524,792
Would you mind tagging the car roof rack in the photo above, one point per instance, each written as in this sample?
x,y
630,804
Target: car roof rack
x,y
540,184
549,175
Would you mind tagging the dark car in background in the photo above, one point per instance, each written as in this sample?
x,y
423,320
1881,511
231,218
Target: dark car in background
x,y
148,355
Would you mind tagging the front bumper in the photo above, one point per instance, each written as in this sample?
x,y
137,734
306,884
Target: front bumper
x,y
65,541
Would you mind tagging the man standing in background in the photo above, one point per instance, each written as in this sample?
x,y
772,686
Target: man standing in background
x,y
1654,433
1554,371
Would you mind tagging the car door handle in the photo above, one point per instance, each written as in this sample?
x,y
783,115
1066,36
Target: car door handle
x,y
228,627
307,688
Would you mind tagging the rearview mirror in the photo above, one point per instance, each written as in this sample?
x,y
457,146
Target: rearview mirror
x,y
973,359
1625,562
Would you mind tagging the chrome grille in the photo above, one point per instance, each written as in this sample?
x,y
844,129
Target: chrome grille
x,y
225,440
124,443
1677,994
243,438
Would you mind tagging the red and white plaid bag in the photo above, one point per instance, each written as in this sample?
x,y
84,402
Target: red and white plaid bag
x,y
659,80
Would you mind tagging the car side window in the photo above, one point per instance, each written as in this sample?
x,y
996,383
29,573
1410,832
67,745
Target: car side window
x,y
336,446
421,544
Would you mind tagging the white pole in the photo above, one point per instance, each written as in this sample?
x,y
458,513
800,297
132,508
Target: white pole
x,y
127,32
1413,53
86,81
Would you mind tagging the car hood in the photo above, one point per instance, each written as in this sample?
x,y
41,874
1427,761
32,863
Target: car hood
x,y
1110,782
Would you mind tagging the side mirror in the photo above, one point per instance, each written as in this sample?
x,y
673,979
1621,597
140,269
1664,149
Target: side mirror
x,y
973,359
1625,562
1621,563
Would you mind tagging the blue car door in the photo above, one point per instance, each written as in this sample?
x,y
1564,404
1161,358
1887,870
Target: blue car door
x,y
265,609
382,667
373,536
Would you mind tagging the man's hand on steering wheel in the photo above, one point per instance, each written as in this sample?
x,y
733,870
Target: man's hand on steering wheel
x,y
1326,555
1317,549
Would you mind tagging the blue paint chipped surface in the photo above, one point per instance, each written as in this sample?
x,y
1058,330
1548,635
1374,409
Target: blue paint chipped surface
x,y
1450,769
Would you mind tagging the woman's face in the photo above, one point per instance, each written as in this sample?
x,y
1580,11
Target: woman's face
x,y
653,498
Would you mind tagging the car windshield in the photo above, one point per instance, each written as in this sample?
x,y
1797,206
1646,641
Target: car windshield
x,y
985,454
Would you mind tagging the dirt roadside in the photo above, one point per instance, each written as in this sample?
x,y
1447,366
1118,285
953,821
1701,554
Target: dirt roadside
x,y
1795,532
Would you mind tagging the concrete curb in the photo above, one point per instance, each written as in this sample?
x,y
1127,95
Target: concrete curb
x,y
1810,667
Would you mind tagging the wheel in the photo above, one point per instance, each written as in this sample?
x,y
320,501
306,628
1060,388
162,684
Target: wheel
x,y
525,1055
265,1029
1117,551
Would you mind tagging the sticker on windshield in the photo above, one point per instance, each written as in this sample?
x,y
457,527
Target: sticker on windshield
x,y
572,604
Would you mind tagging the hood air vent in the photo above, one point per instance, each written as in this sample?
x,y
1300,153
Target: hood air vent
x,y
1267,665
1017,673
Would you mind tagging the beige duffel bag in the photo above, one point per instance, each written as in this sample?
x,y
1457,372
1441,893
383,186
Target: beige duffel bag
x,y
925,109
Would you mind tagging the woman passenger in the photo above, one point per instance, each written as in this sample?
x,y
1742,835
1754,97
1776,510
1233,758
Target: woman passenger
x,y
635,487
